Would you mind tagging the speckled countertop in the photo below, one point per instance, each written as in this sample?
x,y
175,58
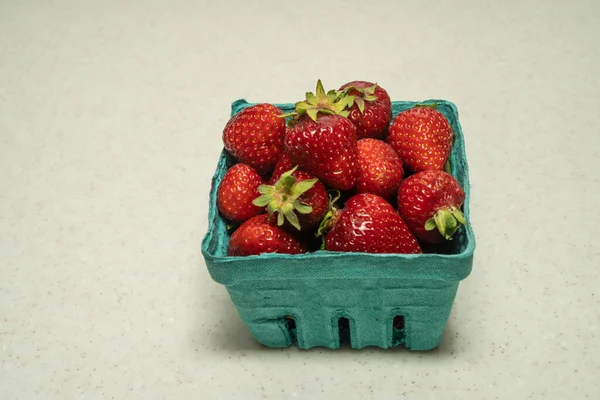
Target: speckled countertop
x,y
110,121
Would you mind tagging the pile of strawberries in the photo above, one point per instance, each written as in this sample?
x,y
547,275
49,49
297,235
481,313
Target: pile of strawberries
x,y
339,176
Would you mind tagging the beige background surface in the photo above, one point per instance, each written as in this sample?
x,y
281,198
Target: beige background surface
x,y
110,120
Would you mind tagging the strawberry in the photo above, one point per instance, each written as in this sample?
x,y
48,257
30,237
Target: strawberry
x,y
322,141
291,192
422,137
371,109
258,235
255,136
236,192
284,164
369,224
430,203
380,169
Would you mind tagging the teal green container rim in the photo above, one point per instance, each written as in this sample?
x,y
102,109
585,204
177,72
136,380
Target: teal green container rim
x,y
228,270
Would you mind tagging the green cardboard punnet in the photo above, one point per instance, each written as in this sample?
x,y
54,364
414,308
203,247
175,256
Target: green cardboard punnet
x,y
313,299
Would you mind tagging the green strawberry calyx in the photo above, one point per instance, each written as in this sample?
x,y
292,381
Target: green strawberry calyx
x,y
283,198
332,103
446,221
330,217
427,105
365,94
448,167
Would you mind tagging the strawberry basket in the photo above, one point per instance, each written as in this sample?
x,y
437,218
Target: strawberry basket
x,y
325,298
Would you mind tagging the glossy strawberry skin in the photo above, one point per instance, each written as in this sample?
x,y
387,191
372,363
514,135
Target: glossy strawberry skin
x,y
421,195
316,197
381,170
375,119
422,137
369,224
255,136
236,192
258,235
326,148
283,164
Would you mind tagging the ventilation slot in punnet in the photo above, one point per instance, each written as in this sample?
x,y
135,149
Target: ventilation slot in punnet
x,y
398,331
344,332
290,326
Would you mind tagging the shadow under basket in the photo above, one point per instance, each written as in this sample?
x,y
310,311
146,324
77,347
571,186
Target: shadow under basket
x,y
335,299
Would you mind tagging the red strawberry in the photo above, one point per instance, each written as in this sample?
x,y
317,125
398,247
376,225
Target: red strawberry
x,y
380,169
430,203
322,141
422,137
284,164
292,192
236,192
255,136
259,235
371,111
369,224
